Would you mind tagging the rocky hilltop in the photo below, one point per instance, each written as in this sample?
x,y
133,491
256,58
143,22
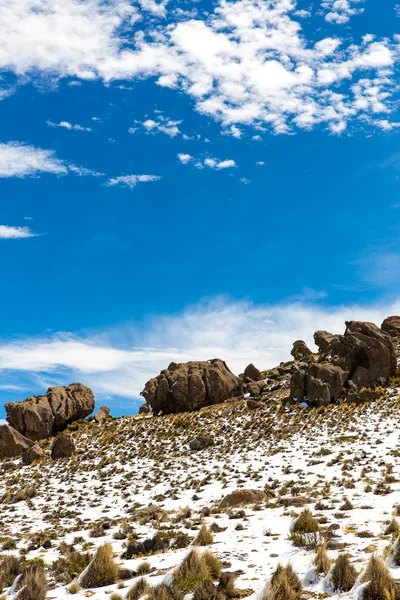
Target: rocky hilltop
x,y
278,484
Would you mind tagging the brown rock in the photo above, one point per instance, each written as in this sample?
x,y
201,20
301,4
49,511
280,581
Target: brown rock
x,y
102,414
201,441
242,498
323,340
254,388
63,447
191,386
12,443
144,409
31,454
391,325
124,573
252,372
40,417
300,350
254,405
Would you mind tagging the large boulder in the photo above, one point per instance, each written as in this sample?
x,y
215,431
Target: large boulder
x,y
31,454
191,386
243,498
42,416
12,443
251,372
391,325
300,350
63,447
364,355
102,414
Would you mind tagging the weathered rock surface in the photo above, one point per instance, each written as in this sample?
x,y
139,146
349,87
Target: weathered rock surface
x,y
201,441
144,409
361,357
252,372
102,414
391,325
300,350
31,454
191,386
254,405
63,447
42,416
243,497
12,443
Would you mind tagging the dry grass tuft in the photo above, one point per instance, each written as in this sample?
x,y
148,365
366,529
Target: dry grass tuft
x,y
381,584
139,589
343,574
103,569
33,584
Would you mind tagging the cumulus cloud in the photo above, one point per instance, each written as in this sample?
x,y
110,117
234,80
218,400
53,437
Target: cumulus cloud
x,y
341,11
22,160
131,181
247,63
69,126
8,232
121,361
161,124
212,163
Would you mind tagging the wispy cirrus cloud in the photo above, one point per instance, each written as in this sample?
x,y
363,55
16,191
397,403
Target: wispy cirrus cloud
x,y
119,362
69,126
9,232
22,160
131,181
247,63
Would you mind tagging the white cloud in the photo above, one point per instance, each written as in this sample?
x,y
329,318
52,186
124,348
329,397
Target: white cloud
x,y
22,160
341,11
121,361
69,126
131,180
7,232
160,125
184,158
246,63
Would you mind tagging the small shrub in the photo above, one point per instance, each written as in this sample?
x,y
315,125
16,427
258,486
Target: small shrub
x,y
206,590
213,564
192,570
380,583
162,592
33,584
321,560
204,537
67,568
74,588
10,567
347,505
283,585
343,574
139,589
393,527
103,569
143,568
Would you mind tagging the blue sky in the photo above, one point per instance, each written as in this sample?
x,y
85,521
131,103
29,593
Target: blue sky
x,y
186,180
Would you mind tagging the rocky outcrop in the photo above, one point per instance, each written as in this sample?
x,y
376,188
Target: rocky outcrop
x,y
42,416
363,356
391,325
243,498
191,386
31,454
12,443
251,372
102,414
63,447
300,350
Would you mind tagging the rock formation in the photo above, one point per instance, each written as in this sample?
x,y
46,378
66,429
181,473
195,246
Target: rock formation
x,y
363,356
391,325
201,441
191,386
12,443
63,447
251,372
300,350
31,454
102,414
40,417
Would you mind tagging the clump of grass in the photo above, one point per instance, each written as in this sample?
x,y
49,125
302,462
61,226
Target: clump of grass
x,y
343,574
395,552
115,596
213,564
74,588
304,530
103,569
33,584
162,592
143,568
380,583
139,589
347,505
321,559
283,585
204,537
393,527
192,570
66,568
10,567
206,590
